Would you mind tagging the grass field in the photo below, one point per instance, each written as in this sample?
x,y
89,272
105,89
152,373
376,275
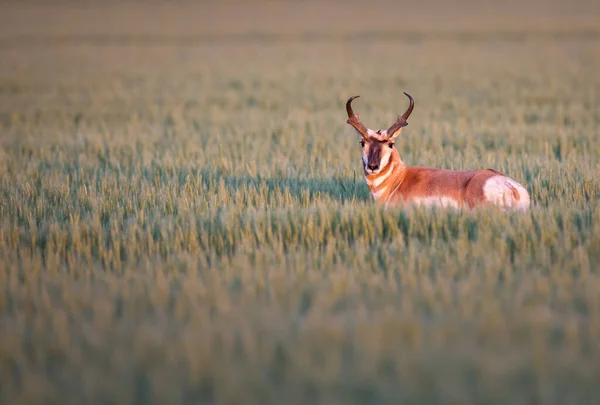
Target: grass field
x,y
183,217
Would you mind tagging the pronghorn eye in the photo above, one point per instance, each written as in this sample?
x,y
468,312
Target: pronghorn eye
x,y
362,143
391,144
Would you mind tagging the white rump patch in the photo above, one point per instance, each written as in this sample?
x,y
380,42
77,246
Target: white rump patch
x,y
435,201
505,192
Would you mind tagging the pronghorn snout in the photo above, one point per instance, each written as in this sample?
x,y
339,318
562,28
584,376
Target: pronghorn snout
x,y
373,166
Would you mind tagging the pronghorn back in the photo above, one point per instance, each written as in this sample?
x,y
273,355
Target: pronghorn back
x,y
458,188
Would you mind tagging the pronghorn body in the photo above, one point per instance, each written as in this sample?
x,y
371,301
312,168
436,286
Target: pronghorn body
x,y
393,183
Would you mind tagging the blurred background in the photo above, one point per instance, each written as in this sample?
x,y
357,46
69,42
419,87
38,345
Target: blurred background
x,y
183,217
205,21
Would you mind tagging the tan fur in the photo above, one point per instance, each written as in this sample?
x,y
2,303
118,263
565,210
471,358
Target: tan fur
x,y
391,182
408,184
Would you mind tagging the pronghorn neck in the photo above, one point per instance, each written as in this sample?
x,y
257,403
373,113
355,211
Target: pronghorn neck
x,y
383,184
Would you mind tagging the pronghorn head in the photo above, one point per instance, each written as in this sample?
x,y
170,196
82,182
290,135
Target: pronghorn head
x,y
377,145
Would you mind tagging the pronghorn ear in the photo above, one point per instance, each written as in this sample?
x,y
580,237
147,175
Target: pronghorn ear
x,y
396,131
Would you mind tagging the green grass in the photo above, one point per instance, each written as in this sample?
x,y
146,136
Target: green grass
x,y
186,221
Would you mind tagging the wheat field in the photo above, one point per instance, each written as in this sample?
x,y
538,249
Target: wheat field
x,y
184,220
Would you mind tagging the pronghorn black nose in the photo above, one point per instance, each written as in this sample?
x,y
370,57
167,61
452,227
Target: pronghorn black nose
x,y
372,166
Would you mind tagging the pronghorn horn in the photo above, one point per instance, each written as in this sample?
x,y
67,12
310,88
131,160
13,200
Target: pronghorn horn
x,y
354,120
401,121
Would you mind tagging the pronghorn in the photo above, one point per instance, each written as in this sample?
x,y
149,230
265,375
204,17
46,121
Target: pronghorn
x,y
392,182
